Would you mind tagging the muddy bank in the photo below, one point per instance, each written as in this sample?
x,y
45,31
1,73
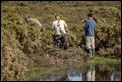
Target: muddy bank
x,y
58,57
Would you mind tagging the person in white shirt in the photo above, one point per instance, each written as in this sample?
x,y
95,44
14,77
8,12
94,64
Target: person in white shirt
x,y
30,20
60,32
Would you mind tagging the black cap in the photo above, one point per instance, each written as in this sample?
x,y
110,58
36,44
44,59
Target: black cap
x,y
90,14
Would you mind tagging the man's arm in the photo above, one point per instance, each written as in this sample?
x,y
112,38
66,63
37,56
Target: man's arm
x,y
53,26
86,25
83,20
65,25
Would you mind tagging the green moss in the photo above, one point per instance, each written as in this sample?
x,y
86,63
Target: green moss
x,y
105,60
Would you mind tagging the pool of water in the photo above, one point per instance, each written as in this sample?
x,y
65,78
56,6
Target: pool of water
x,y
89,72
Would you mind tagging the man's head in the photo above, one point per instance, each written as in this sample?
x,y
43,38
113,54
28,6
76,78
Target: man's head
x,y
89,15
26,19
57,17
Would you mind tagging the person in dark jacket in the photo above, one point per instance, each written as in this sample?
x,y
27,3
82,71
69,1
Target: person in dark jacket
x,y
90,34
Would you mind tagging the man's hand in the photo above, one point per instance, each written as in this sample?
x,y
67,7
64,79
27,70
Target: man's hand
x,y
83,20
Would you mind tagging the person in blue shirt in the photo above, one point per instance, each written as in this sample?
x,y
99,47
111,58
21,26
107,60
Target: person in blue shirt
x,y
90,34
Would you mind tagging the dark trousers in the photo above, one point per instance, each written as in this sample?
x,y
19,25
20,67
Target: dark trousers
x,y
60,41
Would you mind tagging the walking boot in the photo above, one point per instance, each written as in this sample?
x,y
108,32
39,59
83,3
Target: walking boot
x,y
90,52
93,52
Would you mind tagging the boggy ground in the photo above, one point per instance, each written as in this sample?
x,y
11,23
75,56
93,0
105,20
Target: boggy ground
x,y
24,46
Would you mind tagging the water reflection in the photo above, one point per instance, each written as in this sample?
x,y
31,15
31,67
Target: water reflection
x,y
91,72
75,78
108,72
87,74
